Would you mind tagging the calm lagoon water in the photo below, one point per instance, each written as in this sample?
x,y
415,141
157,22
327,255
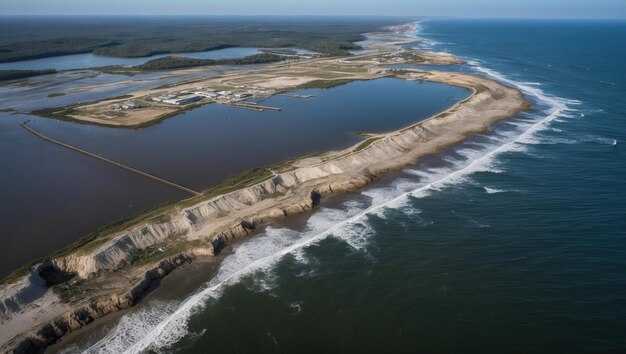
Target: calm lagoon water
x,y
88,60
52,196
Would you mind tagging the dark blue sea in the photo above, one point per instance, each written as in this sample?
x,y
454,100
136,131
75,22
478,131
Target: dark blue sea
x,y
512,242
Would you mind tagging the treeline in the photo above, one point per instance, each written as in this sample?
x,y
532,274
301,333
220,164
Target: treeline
x,y
20,74
175,62
172,62
51,48
150,48
124,37
251,59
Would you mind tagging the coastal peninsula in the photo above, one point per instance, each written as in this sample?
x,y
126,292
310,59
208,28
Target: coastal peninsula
x,y
111,270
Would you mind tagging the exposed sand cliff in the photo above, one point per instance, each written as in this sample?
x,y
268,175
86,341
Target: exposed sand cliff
x,y
114,273
109,284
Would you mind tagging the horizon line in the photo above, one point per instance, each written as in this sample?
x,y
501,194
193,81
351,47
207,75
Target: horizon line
x,y
320,15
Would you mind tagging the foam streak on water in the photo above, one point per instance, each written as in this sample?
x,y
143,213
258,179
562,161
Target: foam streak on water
x,y
154,328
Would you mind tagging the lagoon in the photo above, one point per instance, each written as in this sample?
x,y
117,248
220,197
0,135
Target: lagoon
x,y
198,149
88,60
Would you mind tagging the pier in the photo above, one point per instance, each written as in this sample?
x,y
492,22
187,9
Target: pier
x,y
109,161
295,95
256,107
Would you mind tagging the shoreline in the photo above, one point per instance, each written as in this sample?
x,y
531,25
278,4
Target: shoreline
x,y
259,83
180,283
204,228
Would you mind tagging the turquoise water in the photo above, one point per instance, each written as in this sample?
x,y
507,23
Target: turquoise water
x,y
512,242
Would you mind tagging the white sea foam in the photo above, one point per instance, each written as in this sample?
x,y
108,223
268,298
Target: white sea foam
x,y
301,257
297,306
493,190
410,211
600,140
155,327
425,43
263,282
547,140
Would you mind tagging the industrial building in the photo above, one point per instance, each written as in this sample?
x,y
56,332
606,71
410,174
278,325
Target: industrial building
x,y
182,100
124,106
206,93
162,98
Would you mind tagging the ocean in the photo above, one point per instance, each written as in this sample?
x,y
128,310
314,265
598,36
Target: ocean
x,y
511,242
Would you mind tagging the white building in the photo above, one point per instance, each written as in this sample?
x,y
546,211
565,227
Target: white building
x,y
162,98
124,106
206,93
183,100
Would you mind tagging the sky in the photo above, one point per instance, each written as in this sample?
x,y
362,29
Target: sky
x,y
452,8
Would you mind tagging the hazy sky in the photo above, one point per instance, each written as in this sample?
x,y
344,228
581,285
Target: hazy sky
x,y
457,8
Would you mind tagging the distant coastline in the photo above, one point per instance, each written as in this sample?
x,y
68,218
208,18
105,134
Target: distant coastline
x,y
58,36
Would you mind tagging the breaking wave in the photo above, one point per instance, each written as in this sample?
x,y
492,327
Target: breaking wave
x,y
156,327
493,190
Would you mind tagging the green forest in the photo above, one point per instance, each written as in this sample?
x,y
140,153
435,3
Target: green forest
x,y
174,62
21,74
25,38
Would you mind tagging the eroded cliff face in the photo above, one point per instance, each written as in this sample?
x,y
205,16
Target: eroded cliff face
x,y
211,220
216,222
93,309
219,220
112,254
25,291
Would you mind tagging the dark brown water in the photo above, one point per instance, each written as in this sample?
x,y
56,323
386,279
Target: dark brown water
x,y
51,196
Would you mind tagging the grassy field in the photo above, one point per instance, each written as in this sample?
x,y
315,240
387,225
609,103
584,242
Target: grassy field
x,y
367,142
324,84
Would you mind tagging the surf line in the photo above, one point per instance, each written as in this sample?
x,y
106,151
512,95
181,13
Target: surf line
x,y
109,161
181,314
157,336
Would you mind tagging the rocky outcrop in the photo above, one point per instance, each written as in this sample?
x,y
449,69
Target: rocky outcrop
x,y
49,333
